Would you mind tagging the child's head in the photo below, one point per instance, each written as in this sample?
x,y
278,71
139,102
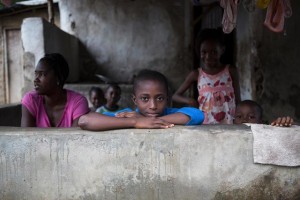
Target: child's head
x,y
150,93
112,94
96,96
210,46
51,73
248,111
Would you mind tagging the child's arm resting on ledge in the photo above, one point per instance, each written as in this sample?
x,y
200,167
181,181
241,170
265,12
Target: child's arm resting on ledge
x,y
98,122
184,116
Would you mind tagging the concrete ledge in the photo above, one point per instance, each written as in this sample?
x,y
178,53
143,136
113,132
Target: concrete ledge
x,y
204,162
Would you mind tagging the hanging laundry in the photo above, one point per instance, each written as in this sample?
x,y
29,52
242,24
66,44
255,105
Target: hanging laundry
x,y
7,3
249,5
287,8
203,2
277,11
262,4
229,15
196,2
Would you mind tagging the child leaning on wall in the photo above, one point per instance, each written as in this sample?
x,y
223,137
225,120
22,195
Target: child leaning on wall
x,y
50,105
150,95
217,84
249,111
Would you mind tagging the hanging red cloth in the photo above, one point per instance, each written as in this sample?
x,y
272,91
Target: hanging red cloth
x,y
229,15
7,3
277,11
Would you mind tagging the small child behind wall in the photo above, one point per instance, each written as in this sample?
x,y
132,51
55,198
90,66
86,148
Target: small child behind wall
x,y
96,97
150,95
249,111
112,96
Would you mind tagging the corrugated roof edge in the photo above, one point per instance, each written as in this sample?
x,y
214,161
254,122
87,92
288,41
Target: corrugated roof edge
x,y
20,6
34,2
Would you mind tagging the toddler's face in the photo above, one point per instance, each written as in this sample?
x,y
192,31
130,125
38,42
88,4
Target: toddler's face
x,y
113,95
150,98
97,99
246,114
210,53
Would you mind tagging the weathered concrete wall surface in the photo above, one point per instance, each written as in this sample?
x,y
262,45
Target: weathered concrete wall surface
x,y
204,162
269,62
125,36
49,38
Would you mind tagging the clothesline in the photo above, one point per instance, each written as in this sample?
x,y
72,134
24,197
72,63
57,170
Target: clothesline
x,y
277,11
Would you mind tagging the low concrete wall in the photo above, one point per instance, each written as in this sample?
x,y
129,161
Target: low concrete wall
x,y
204,162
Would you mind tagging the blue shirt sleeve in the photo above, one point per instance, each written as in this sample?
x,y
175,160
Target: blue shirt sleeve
x,y
196,115
113,114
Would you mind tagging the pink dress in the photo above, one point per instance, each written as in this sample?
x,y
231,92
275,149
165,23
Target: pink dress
x,y
216,97
76,106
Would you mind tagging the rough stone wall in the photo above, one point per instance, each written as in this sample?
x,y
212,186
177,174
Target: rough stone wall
x,y
125,36
204,162
269,63
280,62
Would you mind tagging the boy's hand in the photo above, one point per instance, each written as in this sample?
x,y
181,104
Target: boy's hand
x,y
128,114
151,122
283,121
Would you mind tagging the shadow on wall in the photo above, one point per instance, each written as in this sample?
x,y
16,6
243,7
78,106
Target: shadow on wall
x,y
10,115
88,66
294,99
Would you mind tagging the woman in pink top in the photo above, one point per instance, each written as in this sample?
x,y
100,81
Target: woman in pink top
x,y
50,105
217,84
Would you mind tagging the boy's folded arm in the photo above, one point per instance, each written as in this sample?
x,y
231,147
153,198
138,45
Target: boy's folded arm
x,y
184,116
176,118
99,122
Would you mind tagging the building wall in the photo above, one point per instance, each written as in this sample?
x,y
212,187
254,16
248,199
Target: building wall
x,y
123,37
50,39
269,63
205,162
11,91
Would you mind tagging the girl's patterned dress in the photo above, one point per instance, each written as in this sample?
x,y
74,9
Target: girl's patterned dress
x,y
216,97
